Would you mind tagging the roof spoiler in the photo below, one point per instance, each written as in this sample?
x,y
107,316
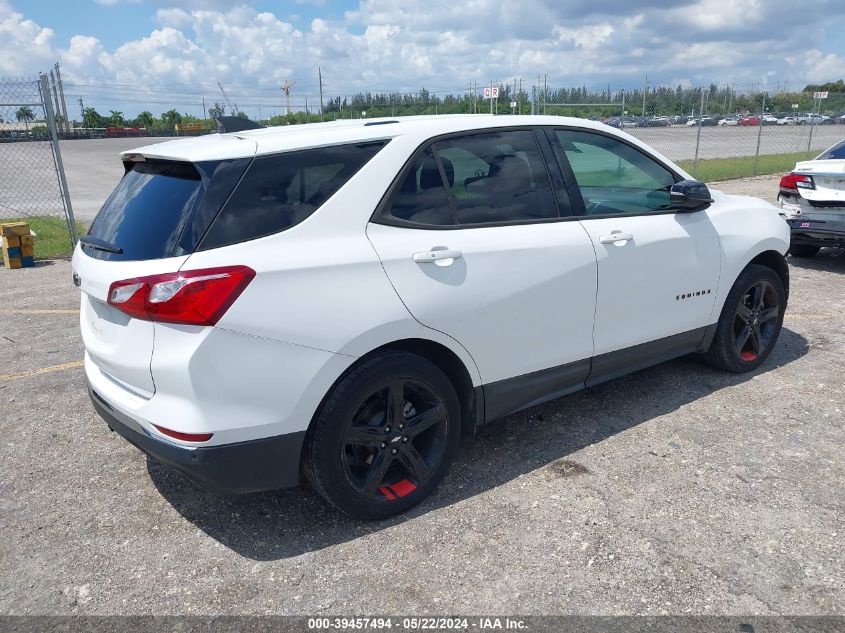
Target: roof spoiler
x,y
236,124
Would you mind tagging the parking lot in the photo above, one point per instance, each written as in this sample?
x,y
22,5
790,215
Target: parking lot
x,y
676,490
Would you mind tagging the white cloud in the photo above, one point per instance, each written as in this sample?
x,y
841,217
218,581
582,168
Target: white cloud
x,y
817,66
25,47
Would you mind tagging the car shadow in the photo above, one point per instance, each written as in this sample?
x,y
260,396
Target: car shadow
x,y
286,523
828,259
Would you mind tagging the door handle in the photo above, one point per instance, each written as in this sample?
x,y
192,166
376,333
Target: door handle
x,y
426,257
616,237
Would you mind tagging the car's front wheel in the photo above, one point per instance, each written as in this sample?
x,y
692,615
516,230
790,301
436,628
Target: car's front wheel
x,y
750,322
384,437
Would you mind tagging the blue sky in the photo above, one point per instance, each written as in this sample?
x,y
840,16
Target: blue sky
x,y
133,55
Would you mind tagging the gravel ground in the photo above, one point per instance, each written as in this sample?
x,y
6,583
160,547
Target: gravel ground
x,y
765,187
676,490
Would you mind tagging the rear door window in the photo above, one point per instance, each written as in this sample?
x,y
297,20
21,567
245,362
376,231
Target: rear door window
x,y
281,190
496,177
161,208
422,199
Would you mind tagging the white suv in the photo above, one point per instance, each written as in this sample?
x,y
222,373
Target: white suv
x,y
345,300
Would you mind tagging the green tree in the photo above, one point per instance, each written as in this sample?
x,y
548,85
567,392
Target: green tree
x,y
216,111
145,119
171,118
25,114
116,117
91,118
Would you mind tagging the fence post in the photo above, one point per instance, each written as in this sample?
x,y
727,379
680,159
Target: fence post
x,y
698,134
812,125
57,156
759,134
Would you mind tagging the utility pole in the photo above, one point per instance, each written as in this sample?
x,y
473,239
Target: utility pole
x,y
320,77
62,95
81,111
519,96
491,96
203,109
645,92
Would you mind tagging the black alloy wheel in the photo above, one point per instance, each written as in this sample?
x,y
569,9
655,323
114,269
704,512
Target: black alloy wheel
x,y
750,322
384,437
756,320
395,440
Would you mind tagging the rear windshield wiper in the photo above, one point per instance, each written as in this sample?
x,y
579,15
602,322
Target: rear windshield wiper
x,y
100,245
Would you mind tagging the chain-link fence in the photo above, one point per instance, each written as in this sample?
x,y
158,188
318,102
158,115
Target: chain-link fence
x,y
32,185
712,132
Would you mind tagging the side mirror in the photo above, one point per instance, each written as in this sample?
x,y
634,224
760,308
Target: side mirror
x,y
690,195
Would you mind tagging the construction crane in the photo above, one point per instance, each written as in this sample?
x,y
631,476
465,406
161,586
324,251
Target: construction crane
x,y
286,89
232,106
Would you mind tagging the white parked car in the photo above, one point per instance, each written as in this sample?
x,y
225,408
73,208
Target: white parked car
x,y
728,121
812,199
787,120
346,299
811,119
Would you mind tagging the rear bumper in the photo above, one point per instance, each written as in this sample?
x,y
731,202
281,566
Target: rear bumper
x,y
238,468
809,232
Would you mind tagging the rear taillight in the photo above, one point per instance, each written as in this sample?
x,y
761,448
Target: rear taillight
x,y
791,182
193,297
185,437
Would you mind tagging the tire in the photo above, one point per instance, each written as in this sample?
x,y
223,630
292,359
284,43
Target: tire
x,y
364,447
803,250
750,323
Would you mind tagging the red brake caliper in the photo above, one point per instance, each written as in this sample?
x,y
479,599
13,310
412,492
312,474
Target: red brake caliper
x,y
397,490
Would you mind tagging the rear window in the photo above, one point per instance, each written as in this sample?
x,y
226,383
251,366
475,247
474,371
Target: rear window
x,y
837,152
281,190
162,209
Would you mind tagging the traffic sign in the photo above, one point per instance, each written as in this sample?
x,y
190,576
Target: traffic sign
x,y
820,95
491,93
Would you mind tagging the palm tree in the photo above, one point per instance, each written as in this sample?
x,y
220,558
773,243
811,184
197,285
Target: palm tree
x,y
116,117
25,114
91,118
171,118
145,119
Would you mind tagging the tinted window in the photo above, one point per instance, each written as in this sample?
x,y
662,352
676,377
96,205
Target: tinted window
x,y
422,198
280,191
161,209
837,152
496,177
614,178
